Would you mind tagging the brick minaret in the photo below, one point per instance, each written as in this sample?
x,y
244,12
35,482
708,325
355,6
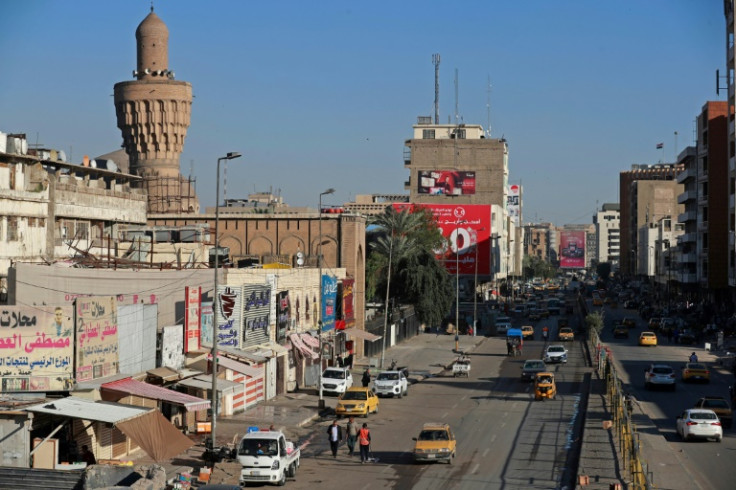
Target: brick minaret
x,y
153,115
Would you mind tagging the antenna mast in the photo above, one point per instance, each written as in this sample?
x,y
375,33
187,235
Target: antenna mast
x,y
488,106
456,113
436,63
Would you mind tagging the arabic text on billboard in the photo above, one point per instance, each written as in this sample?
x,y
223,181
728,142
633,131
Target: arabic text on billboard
x,y
256,314
514,203
283,315
468,232
446,182
193,303
329,296
348,309
572,249
36,348
229,319
97,337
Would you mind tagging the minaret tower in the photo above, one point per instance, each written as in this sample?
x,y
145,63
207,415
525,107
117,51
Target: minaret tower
x,y
153,114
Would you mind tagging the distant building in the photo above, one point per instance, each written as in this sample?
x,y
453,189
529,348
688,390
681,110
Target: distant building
x,y
370,204
731,156
607,235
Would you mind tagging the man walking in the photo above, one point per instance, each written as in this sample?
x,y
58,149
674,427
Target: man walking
x,y
334,435
351,435
364,439
366,379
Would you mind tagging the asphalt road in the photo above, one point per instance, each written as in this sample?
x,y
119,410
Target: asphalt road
x,y
506,440
675,464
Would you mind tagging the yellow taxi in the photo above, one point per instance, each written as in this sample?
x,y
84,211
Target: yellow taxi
x,y
357,401
648,338
435,442
695,371
527,332
566,334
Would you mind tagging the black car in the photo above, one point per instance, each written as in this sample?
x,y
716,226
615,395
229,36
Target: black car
x,y
687,337
531,368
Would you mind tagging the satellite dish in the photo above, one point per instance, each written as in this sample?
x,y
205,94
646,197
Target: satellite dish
x,y
299,258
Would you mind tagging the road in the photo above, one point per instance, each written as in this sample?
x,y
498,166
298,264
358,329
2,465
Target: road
x,y
675,464
506,440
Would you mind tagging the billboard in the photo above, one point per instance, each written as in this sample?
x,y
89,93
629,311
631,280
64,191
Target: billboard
x,y
348,308
283,315
446,182
329,298
572,249
256,314
36,348
514,204
97,337
192,318
467,228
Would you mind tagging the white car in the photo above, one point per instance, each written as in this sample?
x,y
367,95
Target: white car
x,y
336,380
391,383
699,423
659,375
555,353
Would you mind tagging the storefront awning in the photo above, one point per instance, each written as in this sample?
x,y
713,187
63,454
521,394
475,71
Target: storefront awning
x,y
132,387
297,342
362,334
146,427
277,348
251,355
166,374
310,340
239,367
204,382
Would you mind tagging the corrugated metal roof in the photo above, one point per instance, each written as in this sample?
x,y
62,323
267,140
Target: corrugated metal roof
x,y
145,390
274,346
165,373
251,356
94,384
204,382
81,408
239,367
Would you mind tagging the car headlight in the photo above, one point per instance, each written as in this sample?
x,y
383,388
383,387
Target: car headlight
x,y
443,450
362,405
275,465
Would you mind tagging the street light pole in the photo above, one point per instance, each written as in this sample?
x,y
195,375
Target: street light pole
x,y
388,286
321,403
457,285
216,302
475,288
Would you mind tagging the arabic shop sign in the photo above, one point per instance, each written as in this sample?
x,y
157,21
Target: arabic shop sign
x,y
256,314
329,297
229,318
36,348
97,337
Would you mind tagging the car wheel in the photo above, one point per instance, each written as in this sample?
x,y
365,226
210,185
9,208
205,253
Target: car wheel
x,y
282,481
376,410
406,393
401,394
718,439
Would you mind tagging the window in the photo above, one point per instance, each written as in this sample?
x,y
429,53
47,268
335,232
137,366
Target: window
x,y
12,228
428,134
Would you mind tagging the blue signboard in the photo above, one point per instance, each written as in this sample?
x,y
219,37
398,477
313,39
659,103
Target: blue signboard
x,y
329,300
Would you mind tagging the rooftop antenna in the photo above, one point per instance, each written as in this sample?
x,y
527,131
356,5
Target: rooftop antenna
x,y
456,83
488,106
436,63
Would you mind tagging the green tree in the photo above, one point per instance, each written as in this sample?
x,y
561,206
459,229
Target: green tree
x,y
407,240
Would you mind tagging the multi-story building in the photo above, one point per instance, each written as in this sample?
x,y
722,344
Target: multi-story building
x,y
536,240
369,204
642,203
728,6
687,268
607,246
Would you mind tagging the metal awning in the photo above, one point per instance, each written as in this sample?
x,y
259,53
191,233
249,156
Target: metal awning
x,y
132,387
238,366
94,384
277,348
165,373
310,340
297,342
81,408
251,356
205,383
362,334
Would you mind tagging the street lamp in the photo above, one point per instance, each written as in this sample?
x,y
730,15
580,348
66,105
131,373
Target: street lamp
x,y
388,286
475,288
457,285
319,264
216,300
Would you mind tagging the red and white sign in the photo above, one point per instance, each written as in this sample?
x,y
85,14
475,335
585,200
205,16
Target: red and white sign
x,y
192,317
572,249
467,228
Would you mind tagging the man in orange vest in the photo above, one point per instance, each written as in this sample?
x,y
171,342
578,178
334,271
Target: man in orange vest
x,y
364,439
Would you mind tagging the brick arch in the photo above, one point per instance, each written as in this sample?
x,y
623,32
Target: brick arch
x,y
329,248
260,245
291,245
235,244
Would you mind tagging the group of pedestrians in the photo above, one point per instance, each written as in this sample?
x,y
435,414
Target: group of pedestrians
x,y
353,434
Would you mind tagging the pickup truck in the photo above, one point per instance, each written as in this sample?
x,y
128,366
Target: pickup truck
x,y
392,383
267,457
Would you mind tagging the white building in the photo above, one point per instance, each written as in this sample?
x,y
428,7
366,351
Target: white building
x,y
608,234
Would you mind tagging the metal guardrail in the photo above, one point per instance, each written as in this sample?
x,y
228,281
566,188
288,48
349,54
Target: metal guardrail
x,y
621,405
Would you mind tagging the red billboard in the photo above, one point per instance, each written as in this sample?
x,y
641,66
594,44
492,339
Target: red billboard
x,y
446,182
467,228
572,249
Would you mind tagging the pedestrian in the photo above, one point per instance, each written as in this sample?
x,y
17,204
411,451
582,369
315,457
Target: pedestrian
x,y
366,379
509,347
334,435
88,456
351,435
364,439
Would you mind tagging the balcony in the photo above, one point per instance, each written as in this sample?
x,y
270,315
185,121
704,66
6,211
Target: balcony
x,y
687,238
702,199
407,184
685,175
731,160
407,156
686,196
688,258
731,201
687,216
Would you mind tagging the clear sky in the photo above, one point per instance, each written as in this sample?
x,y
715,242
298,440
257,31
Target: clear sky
x,y
319,94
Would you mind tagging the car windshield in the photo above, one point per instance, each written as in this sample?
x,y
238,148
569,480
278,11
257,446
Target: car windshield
x,y
647,334
555,349
433,435
355,395
388,377
566,330
333,374
257,447
702,416
715,404
534,365
662,370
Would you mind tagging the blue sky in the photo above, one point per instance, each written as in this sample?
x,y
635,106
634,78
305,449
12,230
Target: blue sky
x,y
323,94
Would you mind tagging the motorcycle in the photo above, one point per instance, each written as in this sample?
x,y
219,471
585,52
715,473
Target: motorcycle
x,y
218,454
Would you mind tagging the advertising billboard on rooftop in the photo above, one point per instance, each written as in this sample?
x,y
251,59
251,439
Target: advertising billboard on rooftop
x,y
572,249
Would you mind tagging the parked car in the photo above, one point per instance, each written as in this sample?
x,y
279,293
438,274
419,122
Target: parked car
x,y
659,375
648,338
695,371
435,442
391,383
555,353
336,380
699,423
720,406
357,401
530,369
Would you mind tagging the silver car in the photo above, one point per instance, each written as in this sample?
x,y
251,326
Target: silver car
x,y
555,353
659,375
